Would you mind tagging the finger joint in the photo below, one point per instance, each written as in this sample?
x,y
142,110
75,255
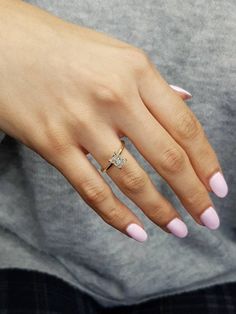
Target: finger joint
x,y
93,193
173,160
187,125
134,181
114,216
196,199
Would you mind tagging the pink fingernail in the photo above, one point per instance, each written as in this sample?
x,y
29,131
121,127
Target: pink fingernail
x,y
210,218
218,184
137,232
181,90
178,228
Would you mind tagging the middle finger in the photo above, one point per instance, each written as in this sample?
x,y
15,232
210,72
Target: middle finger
x,y
170,160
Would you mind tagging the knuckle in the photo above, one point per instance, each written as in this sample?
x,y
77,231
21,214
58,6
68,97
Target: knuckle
x,y
113,216
56,141
187,125
134,180
173,160
138,58
196,199
158,214
94,193
107,93
161,213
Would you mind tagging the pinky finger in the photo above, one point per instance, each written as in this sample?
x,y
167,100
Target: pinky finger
x,y
94,190
181,92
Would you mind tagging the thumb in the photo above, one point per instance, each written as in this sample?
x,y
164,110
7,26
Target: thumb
x,y
182,92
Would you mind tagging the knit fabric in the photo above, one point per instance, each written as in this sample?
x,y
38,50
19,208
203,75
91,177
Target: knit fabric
x,y
45,225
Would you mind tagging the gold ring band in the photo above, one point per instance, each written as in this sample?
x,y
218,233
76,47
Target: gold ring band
x,y
116,159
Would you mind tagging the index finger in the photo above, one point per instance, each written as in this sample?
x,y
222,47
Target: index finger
x,y
182,124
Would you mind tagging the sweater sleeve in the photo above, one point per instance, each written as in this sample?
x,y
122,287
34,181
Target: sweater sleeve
x,y
2,135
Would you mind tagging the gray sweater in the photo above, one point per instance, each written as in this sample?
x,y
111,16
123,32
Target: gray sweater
x,y
44,223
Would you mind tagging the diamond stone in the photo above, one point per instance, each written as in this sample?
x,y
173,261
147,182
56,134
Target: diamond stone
x,y
118,160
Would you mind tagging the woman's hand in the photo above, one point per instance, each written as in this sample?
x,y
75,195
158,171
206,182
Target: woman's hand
x,y
67,91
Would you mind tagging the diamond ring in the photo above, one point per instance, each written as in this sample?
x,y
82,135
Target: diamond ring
x,y
116,159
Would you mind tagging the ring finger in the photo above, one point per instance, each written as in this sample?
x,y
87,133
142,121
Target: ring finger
x,y
134,182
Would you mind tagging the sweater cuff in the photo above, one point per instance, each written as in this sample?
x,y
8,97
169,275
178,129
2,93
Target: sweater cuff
x,y
2,135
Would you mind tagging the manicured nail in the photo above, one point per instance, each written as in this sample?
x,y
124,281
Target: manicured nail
x,y
210,218
218,184
137,232
177,227
181,90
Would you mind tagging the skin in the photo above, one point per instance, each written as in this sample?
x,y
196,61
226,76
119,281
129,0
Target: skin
x,y
67,91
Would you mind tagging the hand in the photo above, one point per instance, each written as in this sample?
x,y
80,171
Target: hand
x,y
67,91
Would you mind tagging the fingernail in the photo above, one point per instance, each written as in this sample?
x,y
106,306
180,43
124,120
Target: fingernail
x,y
178,228
210,218
218,184
137,232
181,90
